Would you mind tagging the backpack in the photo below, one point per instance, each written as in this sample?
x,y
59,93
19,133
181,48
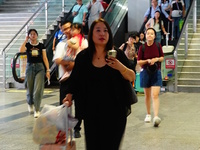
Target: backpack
x,y
152,69
143,49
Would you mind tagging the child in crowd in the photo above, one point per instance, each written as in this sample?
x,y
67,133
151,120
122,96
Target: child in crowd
x,y
75,45
59,36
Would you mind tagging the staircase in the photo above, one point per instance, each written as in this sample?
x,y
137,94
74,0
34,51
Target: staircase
x,y
189,67
14,14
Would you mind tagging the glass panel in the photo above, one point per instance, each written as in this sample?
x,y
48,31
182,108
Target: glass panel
x,y
115,13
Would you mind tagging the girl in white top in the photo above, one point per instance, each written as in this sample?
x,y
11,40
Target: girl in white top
x,y
157,24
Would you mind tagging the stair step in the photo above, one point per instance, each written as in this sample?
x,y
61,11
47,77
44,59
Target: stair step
x,y
188,81
189,88
189,56
189,68
190,63
189,74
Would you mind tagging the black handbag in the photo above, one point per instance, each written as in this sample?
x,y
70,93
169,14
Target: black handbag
x,y
131,96
151,69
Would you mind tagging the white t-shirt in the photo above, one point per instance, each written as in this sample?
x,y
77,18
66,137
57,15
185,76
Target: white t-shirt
x,y
95,9
155,26
61,50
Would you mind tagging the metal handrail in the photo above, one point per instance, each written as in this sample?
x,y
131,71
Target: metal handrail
x,y
20,80
44,5
193,5
24,26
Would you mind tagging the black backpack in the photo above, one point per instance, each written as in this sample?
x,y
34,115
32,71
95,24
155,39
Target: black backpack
x,y
153,68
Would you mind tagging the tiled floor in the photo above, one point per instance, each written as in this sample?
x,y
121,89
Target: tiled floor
x,y
179,129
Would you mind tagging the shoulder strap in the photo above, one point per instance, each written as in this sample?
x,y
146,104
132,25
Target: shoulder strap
x,y
158,46
160,9
149,16
125,46
143,48
79,8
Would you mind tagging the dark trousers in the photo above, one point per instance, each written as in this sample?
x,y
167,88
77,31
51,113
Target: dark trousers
x,y
78,125
102,134
63,90
77,114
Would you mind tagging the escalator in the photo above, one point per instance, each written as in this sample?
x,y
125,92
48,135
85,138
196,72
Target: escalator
x,y
115,15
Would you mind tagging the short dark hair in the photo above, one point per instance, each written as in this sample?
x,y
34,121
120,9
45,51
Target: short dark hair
x,y
91,46
65,21
30,30
152,29
131,35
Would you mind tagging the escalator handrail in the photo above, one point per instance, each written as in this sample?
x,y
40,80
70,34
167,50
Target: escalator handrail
x,y
20,80
108,8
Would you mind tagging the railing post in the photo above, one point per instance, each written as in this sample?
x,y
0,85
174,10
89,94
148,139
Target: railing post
x,y
27,28
186,40
4,70
46,16
195,16
63,6
176,72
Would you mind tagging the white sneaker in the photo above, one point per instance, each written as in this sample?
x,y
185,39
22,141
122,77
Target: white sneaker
x,y
36,114
30,109
156,121
148,118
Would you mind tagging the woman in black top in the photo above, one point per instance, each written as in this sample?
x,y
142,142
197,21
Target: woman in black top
x,y
35,71
97,83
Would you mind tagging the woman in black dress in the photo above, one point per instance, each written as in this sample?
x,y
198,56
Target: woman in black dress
x,y
97,83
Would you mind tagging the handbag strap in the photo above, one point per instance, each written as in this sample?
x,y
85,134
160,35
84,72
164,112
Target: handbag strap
x,y
177,6
79,9
70,130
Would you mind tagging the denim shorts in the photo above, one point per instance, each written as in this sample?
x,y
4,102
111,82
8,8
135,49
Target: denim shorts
x,y
147,80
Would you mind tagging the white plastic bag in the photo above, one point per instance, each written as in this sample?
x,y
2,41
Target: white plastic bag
x,y
52,120
44,131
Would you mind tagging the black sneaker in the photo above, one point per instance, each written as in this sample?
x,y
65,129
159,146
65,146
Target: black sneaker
x,y
77,134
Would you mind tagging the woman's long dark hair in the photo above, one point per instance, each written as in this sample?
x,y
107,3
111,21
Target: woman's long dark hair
x,y
159,20
91,44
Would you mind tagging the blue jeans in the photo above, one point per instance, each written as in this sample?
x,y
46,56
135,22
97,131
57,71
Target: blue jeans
x,y
176,32
147,80
187,5
35,83
158,37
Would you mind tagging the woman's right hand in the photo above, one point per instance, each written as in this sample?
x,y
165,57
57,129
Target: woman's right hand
x,y
68,100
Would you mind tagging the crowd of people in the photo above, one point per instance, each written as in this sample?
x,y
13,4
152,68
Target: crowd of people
x,y
165,16
96,81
